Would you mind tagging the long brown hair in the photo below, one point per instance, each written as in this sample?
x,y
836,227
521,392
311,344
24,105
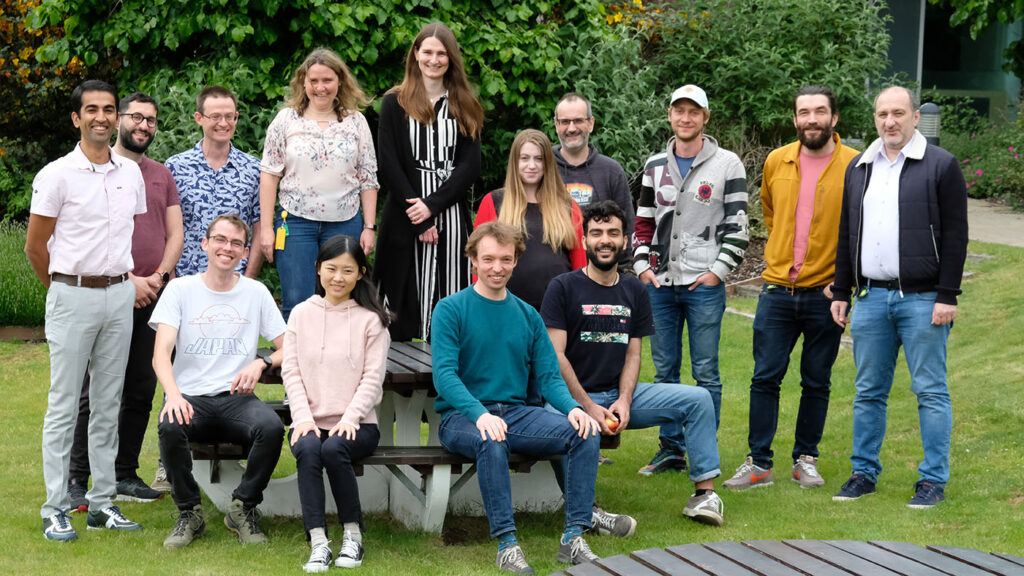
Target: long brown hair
x,y
350,96
552,197
412,96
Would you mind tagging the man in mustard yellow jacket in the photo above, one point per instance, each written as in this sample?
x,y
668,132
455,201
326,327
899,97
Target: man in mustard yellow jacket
x,y
802,195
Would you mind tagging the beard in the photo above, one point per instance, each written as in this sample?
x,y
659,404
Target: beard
x,y
130,144
594,260
815,143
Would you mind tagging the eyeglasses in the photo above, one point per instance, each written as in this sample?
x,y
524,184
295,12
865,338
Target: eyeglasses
x,y
139,118
218,239
566,122
218,118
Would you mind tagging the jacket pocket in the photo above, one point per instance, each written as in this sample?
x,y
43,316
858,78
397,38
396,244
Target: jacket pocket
x,y
935,243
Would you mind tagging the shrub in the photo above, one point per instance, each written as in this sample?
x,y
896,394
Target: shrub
x,y
990,158
22,296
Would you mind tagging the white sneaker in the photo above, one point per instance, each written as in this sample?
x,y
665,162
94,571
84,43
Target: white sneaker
x,y
707,508
319,559
805,472
351,553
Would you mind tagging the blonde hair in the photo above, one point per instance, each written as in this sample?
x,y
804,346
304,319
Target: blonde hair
x,y
350,97
552,197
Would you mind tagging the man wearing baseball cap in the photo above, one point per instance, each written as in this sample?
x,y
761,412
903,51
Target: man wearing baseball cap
x,y
691,230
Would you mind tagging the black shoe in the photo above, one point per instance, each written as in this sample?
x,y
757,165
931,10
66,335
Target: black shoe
x,y
76,493
854,488
927,495
135,490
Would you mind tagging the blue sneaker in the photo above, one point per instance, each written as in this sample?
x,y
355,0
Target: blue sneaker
x,y
927,495
58,527
110,517
666,459
854,488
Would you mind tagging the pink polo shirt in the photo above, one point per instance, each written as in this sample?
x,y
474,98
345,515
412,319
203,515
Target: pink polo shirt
x,y
811,168
95,211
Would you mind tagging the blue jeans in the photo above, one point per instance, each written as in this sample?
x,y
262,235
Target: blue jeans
x,y
701,311
296,263
881,322
782,317
531,430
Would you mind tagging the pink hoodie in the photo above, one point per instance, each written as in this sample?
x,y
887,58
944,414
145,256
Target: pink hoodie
x,y
334,362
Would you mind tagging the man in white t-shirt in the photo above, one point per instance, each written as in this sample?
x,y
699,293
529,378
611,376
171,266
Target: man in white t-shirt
x,y
214,320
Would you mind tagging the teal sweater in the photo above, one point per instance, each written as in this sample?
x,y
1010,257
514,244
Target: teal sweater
x,y
482,351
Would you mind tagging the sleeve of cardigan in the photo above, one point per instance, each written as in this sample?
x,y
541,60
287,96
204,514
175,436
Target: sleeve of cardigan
x,y
389,149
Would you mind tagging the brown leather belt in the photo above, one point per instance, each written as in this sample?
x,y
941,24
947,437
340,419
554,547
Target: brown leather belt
x,y
88,281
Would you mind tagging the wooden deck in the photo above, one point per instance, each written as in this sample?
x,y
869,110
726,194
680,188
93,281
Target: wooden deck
x,y
803,558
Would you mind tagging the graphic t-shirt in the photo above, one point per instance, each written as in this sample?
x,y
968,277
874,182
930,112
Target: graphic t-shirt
x,y
218,332
599,321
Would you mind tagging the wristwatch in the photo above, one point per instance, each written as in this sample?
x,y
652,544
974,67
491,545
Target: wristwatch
x,y
165,277
370,227
267,360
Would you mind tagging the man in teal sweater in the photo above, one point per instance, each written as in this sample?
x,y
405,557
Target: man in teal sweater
x,y
484,342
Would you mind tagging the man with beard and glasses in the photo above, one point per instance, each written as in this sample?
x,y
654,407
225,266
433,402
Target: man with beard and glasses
x,y
802,197
597,319
156,245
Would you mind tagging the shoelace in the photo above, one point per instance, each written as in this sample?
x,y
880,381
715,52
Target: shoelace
x,y
63,521
181,525
115,513
604,519
746,467
579,548
349,548
808,468
252,519
322,554
513,556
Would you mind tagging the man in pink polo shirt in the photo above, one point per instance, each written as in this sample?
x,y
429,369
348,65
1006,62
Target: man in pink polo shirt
x,y
79,244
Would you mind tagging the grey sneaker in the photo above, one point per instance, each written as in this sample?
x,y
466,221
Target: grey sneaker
x,y
575,551
664,460
135,490
707,508
160,481
805,472
351,553
512,560
190,525
245,523
110,518
319,559
76,494
606,523
749,475
58,527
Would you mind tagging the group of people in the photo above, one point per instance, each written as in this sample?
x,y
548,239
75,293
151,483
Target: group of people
x,y
535,309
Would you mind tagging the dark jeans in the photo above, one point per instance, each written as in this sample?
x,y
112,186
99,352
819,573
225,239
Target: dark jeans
x,y
335,455
237,418
136,404
780,320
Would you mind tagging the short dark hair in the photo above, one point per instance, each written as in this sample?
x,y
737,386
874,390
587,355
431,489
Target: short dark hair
x,y
213,92
234,219
90,86
915,103
140,97
817,90
503,233
570,97
603,211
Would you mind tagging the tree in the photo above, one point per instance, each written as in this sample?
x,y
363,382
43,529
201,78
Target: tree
x,y
978,15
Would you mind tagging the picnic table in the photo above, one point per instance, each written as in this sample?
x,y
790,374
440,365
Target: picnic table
x,y
804,557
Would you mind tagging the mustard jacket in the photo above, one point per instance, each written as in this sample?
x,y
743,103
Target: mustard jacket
x,y
780,189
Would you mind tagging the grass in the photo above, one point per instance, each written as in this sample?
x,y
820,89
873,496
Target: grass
x,y
984,507
22,296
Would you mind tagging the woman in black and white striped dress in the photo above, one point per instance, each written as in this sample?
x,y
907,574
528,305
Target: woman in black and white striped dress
x,y
429,147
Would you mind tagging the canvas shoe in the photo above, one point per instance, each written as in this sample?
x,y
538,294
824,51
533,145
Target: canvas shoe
x,y
575,551
351,553
135,490
854,488
76,494
110,518
805,472
245,523
927,495
749,475
606,523
707,508
664,460
58,527
160,481
190,525
319,559
512,560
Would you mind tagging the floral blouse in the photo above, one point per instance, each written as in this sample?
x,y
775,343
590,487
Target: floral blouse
x,y
323,171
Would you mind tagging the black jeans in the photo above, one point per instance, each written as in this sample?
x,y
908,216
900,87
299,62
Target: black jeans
x,y
780,320
237,418
136,404
335,455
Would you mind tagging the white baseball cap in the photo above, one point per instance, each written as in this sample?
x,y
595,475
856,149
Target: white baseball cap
x,y
691,92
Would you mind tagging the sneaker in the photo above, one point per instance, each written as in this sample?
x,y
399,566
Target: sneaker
x,y
351,553
854,488
927,495
805,472
135,490
110,518
707,508
603,460
575,551
319,559
512,560
245,523
160,481
606,523
666,459
190,525
749,475
58,527
76,493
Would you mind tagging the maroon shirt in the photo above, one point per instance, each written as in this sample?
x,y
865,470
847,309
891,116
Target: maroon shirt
x,y
150,235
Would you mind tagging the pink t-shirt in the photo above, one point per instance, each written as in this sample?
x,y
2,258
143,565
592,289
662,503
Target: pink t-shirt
x,y
811,168
150,234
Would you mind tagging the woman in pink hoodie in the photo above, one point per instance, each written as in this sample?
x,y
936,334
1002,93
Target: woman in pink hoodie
x,y
335,351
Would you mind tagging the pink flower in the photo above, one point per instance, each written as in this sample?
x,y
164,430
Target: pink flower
x,y
978,172
999,180
967,160
1010,148
973,182
1015,156
967,185
995,147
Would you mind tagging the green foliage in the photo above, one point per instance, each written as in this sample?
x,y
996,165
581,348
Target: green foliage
x,y
980,14
22,296
18,163
990,158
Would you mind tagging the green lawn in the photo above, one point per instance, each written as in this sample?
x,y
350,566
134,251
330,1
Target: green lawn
x,y
984,507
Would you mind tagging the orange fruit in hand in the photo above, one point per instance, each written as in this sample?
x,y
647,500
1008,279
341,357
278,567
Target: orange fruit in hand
x,y
611,423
